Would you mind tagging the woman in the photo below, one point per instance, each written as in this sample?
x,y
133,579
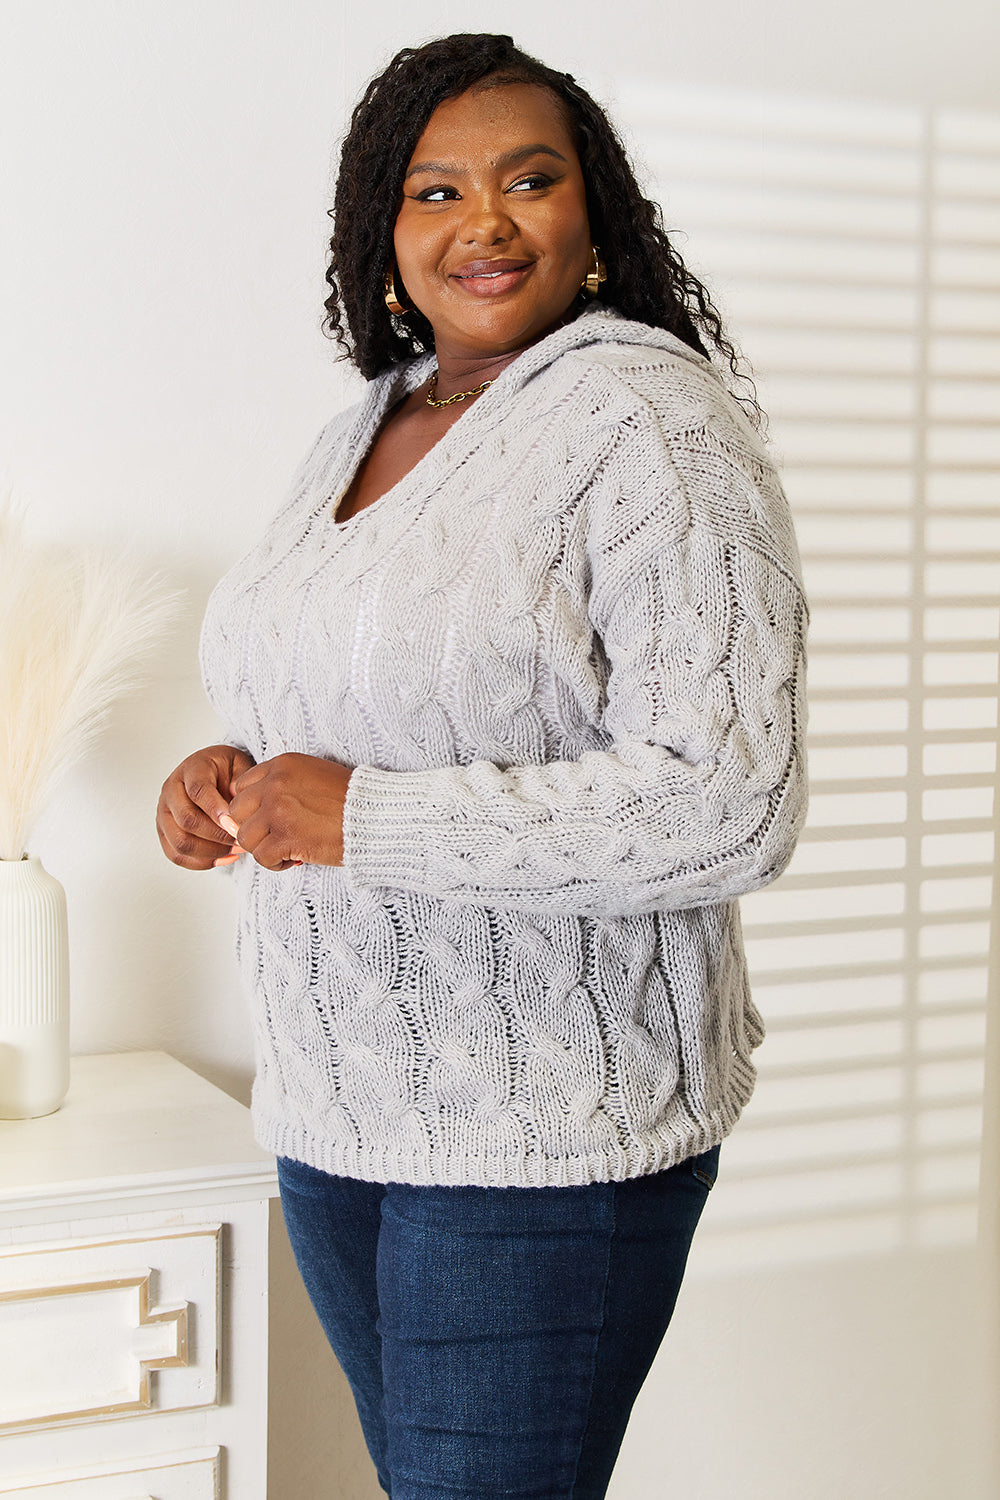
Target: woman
x,y
513,686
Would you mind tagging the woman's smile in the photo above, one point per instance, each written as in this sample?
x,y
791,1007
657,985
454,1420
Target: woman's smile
x,y
491,278
492,238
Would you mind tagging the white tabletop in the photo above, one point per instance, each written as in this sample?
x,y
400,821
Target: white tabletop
x,y
134,1122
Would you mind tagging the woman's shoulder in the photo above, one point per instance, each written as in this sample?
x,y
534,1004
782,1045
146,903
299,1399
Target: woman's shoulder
x,y
653,363
611,375
355,423
372,401
630,369
672,436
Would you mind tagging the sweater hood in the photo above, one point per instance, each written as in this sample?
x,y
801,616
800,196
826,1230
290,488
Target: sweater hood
x,y
595,326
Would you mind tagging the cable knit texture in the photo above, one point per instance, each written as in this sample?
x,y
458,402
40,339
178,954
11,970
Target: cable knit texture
x,y
565,655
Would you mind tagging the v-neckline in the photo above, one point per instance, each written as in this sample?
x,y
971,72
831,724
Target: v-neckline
x,y
348,481
364,434
360,540
401,381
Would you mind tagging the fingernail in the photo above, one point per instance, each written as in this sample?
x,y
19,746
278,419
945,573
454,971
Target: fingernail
x,y
226,859
227,823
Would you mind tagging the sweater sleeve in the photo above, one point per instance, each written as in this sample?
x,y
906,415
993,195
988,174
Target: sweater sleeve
x,y
700,794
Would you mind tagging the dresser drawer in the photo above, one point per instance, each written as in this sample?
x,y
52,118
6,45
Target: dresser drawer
x,y
110,1327
179,1476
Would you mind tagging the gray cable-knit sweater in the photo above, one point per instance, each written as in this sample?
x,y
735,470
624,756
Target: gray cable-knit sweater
x,y
565,655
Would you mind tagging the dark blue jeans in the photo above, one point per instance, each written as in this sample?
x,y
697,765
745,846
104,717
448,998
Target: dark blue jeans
x,y
495,1339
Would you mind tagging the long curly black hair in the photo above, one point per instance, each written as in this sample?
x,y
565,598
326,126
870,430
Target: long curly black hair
x,y
646,278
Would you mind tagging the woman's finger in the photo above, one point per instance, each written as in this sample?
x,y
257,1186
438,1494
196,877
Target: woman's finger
x,y
253,774
202,789
185,849
192,800
190,817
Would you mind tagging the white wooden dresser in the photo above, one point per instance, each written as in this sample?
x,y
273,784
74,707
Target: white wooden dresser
x,y
133,1291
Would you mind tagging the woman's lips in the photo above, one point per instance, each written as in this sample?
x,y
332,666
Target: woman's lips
x,y
491,278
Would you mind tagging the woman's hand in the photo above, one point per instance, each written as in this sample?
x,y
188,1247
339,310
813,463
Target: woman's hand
x,y
193,800
290,811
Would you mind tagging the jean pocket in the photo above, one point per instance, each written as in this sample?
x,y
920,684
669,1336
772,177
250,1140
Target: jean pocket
x,y
706,1166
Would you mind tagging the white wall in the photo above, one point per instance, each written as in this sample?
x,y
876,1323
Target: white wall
x,y
166,171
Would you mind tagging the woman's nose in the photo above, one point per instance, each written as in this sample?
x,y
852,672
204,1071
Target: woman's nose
x,y
486,220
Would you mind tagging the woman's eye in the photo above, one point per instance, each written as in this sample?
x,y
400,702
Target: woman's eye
x,y
436,195
530,184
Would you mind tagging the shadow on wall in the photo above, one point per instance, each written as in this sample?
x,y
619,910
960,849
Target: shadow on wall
x,y
854,249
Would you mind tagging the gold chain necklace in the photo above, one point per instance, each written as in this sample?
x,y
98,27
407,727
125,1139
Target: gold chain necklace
x,y
458,396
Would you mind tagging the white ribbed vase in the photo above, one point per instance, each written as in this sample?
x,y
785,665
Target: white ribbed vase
x,y
34,991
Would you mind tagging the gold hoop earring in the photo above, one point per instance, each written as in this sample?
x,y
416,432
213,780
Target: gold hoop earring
x,y
596,274
392,302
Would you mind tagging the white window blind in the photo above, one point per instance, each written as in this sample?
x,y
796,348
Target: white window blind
x,y
855,251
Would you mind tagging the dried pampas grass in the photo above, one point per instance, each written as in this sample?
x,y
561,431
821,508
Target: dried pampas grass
x,y
74,627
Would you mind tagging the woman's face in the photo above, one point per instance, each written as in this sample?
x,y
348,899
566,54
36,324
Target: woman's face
x,y
492,239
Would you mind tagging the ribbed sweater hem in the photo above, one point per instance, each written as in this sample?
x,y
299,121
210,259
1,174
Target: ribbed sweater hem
x,y
638,1158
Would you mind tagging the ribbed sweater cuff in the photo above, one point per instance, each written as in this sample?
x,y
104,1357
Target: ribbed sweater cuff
x,y
385,824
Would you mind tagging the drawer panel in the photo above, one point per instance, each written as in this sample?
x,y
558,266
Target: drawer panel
x,y
111,1328
181,1476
